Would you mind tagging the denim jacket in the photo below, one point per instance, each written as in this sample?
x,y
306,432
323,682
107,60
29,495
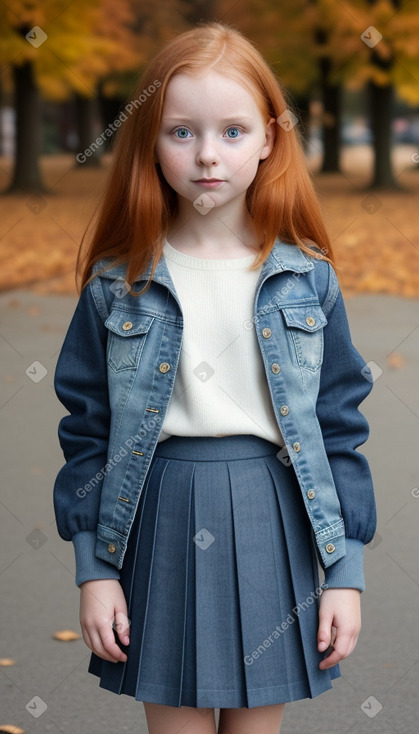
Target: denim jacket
x,y
115,376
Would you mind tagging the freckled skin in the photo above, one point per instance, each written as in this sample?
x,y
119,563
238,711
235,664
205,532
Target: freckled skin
x,y
211,127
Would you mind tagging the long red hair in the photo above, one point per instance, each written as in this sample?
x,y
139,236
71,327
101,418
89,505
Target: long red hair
x,y
138,204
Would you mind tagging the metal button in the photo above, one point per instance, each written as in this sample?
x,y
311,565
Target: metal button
x,y
310,321
311,494
266,333
164,367
111,548
284,410
127,326
330,548
296,446
275,368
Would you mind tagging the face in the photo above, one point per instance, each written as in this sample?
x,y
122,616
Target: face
x,y
211,138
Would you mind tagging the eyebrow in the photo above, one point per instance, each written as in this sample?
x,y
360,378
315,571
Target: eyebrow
x,y
233,118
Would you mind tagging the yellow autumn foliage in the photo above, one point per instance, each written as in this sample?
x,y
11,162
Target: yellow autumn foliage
x,y
295,34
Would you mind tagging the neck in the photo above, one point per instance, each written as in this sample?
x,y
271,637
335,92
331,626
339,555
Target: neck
x,y
222,232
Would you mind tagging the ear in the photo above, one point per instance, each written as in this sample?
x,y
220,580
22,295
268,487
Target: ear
x,y
270,134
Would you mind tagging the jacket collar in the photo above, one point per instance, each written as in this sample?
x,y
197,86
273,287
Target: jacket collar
x,y
283,256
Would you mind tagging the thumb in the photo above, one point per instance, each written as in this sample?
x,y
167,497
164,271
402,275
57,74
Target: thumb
x,y
121,625
324,634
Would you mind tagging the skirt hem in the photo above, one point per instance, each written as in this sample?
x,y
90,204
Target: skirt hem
x,y
273,696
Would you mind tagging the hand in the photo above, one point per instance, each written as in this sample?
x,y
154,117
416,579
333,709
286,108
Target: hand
x,y
102,609
339,624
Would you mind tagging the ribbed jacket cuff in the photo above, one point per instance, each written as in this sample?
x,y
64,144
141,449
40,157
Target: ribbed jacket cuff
x,y
347,572
88,566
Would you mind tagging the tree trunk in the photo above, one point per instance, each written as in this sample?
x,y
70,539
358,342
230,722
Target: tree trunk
x,y
26,174
1,121
301,105
196,10
381,102
109,108
332,99
381,99
90,152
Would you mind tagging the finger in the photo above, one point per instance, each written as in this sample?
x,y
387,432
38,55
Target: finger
x,y
109,644
121,625
99,648
344,644
324,634
86,637
330,661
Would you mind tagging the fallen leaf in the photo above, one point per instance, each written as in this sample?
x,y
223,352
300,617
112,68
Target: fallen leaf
x,y
38,470
66,635
34,310
395,360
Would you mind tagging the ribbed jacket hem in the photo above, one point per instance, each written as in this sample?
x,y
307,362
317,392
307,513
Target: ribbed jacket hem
x,y
347,572
88,566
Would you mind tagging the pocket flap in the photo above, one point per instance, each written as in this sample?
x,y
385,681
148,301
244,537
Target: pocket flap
x,y
124,323
309,318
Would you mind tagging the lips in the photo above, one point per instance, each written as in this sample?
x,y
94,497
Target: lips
x,y
208,180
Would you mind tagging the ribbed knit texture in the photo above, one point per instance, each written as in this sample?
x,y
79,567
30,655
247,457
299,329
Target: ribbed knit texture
x,y
220,386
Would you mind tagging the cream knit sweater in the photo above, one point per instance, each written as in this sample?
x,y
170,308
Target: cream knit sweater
x,y
220,386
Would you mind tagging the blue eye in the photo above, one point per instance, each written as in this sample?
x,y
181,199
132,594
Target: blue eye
x,y
182,130
233,129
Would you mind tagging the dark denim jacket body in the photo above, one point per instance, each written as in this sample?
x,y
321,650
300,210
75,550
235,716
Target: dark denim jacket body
x,y
115,376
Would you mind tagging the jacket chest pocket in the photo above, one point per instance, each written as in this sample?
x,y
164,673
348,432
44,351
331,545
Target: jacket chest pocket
x,y
305,332
126,339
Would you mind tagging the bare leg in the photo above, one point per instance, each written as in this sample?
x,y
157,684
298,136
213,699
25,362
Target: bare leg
x,y
261,719
184,720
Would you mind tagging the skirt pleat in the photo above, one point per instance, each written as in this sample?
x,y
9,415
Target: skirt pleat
x,y
221,581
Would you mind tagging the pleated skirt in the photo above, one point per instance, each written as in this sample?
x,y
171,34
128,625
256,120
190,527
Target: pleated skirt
x,y
221,581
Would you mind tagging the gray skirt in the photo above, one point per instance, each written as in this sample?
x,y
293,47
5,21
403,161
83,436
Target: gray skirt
x,y
221,581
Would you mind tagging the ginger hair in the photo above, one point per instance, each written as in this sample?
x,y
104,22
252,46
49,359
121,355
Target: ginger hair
x,y
138,204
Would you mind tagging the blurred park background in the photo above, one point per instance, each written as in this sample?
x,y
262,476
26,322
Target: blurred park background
x,y
68,69
352,72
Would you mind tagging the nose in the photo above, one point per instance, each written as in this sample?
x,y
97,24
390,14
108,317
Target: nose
x,y
207,154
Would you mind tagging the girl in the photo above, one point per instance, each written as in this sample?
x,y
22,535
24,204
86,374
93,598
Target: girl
x,y
213,394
